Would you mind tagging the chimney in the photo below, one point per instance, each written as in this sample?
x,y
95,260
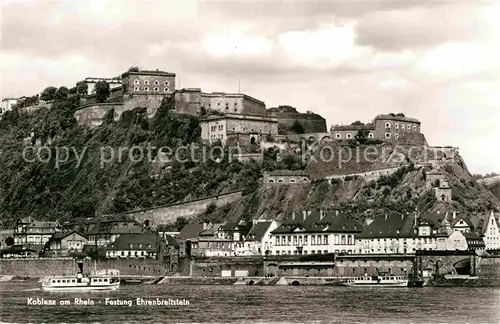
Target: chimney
x,y
386,217
304,214
321,214
205,226
454,214
368,221
336,213
293,215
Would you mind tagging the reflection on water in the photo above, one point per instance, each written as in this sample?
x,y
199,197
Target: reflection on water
x,y
257,304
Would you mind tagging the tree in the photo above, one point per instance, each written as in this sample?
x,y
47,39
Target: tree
x,y
61,93
180,223
297,127
133,69
82,88
48,94
9,241
357,122
102,91
361,136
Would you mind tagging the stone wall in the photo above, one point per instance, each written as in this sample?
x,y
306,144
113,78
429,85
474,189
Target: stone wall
x,y
37,267
92,115
343,268
276,178
140,100
215,267
67,266
489,267
312,123
367,176
188,101
168,214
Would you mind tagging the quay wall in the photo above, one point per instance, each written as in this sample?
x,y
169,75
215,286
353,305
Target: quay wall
x,y
40,267
37,267
489,267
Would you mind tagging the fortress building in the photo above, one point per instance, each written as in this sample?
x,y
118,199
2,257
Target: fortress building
x,y
193,101
248,129
388,127
287,116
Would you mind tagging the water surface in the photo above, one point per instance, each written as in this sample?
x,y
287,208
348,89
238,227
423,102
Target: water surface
x,y
257,304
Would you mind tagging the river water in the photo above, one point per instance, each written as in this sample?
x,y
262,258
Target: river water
x,y
253,304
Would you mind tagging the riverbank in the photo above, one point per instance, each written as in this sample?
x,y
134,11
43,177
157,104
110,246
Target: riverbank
x,y
264,281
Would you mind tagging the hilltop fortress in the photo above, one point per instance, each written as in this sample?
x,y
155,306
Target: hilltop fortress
x,y
242,119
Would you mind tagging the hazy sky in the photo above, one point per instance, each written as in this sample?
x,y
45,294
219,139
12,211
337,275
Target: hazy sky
x,y
438,61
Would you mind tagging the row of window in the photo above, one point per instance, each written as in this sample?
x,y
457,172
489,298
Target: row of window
x,y
129,253
216,137
403,126
218,109
301,252
290,181
349,135
146,82
314,239
214,128
149,246
155,89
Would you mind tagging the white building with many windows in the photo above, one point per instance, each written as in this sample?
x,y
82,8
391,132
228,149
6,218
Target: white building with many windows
x,y
317,232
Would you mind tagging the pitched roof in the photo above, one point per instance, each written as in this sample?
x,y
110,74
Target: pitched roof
x,y
213,229
61,235
259,230
390,226
319,221
172,241
42,224
191,230
135,242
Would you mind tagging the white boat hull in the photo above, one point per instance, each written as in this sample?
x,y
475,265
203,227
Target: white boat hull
x,y
399,284
113,286
80,284
377,281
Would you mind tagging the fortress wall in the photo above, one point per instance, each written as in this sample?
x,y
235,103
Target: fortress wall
x,y
367,176
168,214
132,101
188,102
311,123
93,115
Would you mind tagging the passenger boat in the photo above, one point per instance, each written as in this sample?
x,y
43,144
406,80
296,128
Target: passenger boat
x,y
79,282
377,281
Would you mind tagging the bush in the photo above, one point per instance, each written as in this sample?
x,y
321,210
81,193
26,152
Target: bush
x,y
61,93
297,127
48,94
102,91
82,88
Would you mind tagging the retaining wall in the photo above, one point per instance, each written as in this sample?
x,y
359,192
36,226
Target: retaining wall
x,y
169,213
